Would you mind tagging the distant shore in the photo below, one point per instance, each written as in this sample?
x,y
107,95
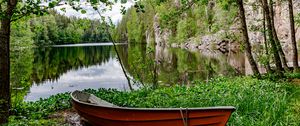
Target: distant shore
x,y
87,44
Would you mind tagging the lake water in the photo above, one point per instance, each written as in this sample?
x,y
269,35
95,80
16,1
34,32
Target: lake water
x,y
46,71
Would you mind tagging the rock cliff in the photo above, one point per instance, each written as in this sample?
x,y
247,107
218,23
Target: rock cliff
x,y
254,21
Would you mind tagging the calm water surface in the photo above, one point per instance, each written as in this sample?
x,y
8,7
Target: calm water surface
x,y
59,69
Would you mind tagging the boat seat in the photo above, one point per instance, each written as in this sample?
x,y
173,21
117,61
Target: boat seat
x,y
92,99
95,100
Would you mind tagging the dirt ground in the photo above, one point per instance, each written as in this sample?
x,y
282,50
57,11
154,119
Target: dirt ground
x,y
295,81
68,117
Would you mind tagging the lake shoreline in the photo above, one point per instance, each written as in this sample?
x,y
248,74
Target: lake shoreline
x,y
87,44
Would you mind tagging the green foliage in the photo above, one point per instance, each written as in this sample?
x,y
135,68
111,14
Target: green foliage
x,y
186,19
56,29
226,4
186,29
257,102
13,121
277,77
135,26
168,16
264,59
21,56
142,64
36,113
23,9
42,108
272,77
59,29
292,75
297,19
21,35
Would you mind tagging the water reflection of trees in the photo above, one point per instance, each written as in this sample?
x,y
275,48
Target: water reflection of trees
x,y
37,65
21,70
174,66
146,64
51,63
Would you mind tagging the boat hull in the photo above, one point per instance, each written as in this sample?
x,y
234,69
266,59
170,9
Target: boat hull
x,y
118,116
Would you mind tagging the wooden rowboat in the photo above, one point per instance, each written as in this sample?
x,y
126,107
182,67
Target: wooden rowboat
x,y
101,113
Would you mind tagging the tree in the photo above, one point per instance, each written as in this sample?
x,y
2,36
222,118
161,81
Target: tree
x,y
277,41
12,10
4,59
279,68
210,14
293,36
268,67
246,38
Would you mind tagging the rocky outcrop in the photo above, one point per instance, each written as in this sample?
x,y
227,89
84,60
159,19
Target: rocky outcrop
x,y
149,37
161,35
211,42
254,18
282,23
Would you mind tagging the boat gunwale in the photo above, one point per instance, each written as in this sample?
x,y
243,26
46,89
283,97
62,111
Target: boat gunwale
x,y
153,109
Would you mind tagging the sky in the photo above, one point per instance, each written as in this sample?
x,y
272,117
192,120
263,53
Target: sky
x,y
114,13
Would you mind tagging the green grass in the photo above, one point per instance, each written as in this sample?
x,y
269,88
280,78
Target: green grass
x,y
36,122
258,102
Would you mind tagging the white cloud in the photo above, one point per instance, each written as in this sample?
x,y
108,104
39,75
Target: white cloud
x,y
114,13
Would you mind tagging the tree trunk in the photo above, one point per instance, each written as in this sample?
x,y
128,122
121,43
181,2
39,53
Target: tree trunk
x,y
268,67
277,41
5,62
278,64
246,39
4,72
293,36
210,14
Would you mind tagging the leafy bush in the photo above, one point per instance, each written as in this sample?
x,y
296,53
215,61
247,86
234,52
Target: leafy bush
x,y
186,29
292,75
42,108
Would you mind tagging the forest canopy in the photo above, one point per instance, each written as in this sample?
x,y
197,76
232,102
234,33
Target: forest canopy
x,y
55,28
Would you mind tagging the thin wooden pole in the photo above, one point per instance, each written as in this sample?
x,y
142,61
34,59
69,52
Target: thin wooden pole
x,y
115,48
